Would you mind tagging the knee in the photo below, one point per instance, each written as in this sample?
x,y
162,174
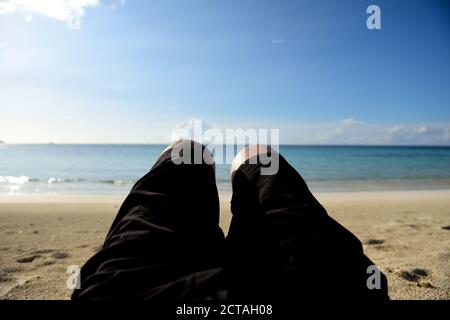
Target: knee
x,y
261,153
186,151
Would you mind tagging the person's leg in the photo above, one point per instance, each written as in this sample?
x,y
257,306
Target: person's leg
x,y
283,244
165,242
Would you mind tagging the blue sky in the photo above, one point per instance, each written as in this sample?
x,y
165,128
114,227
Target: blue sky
x,y
130,71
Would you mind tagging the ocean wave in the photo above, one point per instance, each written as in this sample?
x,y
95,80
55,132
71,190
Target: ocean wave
x,y
62,180
14,180
21,180
118,182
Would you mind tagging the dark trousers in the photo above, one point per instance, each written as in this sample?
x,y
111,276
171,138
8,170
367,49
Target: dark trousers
x,y
165,243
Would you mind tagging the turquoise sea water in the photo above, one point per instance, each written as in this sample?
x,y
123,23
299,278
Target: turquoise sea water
x,y
112,169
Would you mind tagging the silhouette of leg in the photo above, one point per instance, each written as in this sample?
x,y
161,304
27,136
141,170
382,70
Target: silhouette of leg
x,y
282,243
165,242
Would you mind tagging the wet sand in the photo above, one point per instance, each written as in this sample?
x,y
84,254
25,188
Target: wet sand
x,y
406,233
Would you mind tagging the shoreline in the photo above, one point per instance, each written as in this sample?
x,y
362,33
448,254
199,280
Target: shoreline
x,y
105,190
107,198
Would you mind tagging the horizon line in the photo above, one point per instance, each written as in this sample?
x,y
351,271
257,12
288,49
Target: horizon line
x,y
2,143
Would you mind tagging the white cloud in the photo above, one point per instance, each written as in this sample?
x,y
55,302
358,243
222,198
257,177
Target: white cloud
x,y
348,121
422,129
358,132
447,135
70,11
29,18
351,131
430,133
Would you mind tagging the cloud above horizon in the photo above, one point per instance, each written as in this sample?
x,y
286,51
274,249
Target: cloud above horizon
x,y
350,131
69,11
354,132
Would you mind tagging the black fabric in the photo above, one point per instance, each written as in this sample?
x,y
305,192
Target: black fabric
x,y
166,244
284,245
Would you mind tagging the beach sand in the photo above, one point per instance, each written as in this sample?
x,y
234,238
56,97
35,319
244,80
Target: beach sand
x,y
407,234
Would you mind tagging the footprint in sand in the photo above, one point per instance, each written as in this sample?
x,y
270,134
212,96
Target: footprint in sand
x,y
420,272
60,255
39,253
28,259
413,275
372,242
